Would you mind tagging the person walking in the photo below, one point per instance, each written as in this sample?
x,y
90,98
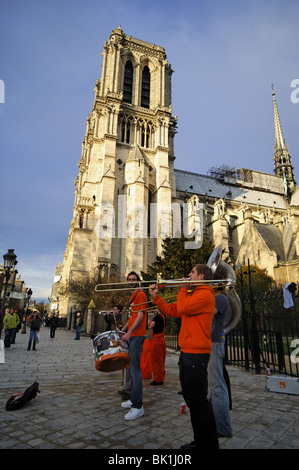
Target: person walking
x,y
34,323
10,323
79,323
13,339
53,323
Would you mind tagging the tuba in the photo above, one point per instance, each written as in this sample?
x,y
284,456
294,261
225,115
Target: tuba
x,y
222,270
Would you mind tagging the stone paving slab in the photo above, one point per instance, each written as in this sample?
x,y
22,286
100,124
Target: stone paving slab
x,y
79,408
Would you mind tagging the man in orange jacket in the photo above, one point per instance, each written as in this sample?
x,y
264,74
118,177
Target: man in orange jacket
x,y
195,306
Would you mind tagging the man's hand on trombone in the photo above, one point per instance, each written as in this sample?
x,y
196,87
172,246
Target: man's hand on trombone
x,y
153,290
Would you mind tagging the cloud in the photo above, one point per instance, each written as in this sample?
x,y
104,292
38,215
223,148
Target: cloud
x,y
225,55
38,273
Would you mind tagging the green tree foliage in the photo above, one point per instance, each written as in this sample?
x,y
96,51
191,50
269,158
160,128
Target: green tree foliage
x,y
81,291
177,261
260,281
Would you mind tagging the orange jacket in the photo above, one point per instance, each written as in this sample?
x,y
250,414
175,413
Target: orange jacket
x,y
196,309
137,297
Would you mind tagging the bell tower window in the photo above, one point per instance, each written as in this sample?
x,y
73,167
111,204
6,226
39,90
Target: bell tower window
x,y
128,82
145,87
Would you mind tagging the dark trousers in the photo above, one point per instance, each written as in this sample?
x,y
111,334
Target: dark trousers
x,y
9,333
194,383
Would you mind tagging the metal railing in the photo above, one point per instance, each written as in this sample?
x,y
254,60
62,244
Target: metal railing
x,y
265,340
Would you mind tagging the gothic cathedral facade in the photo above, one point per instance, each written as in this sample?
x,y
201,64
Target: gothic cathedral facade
x,y
127,178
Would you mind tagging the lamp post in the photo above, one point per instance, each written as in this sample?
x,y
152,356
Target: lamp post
x,y
10,261
28,296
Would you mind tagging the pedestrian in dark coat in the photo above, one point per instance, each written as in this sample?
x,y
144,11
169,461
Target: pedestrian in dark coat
x,y
34,322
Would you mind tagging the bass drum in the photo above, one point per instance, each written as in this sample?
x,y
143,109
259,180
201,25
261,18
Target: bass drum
x,y
111,353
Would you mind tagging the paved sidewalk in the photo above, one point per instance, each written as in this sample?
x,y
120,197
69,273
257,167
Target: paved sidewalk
x,y
79,408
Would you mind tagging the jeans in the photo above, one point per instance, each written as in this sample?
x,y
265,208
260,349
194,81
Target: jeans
x,y
32,337
135,351
78,332
8,337
218,390
194,382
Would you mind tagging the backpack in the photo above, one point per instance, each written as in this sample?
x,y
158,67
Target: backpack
x,y
19,399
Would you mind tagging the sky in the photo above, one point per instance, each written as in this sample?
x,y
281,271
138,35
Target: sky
x,y
225,55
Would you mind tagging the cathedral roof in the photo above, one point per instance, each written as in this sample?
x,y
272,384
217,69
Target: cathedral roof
x,y
295,197
212,187
282,243
273,239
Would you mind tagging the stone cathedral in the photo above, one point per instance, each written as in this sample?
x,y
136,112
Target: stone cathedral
x,y
129,196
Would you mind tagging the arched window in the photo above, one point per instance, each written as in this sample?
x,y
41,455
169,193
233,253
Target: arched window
x,y
128,82
145,87
125,129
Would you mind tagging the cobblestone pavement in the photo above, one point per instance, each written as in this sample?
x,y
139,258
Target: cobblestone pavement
x,y
79,408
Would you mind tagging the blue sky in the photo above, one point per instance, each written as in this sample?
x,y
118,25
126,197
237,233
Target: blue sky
x,y
225,55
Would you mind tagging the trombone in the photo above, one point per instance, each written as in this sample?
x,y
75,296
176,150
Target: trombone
x,y
216,284
97,287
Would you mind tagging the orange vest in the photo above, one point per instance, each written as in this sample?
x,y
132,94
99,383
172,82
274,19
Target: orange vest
x,y
138,297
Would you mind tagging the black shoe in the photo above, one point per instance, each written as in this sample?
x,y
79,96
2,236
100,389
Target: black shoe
x,y
124,394
191,445
156,383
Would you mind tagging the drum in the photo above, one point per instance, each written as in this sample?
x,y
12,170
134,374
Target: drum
x,y
111,353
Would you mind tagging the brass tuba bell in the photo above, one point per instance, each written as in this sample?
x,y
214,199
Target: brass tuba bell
x,y
222,270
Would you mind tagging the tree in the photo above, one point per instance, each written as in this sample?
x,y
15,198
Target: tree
x,y
177,261
81,291
260,281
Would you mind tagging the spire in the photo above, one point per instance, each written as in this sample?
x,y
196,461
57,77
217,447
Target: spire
x,y
282,157
279,138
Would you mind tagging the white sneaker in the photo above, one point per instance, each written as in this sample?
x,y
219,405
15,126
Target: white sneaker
x,y
126,404
134,413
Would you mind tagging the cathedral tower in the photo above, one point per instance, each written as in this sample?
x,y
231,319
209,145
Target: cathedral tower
x,y
282,158
126,170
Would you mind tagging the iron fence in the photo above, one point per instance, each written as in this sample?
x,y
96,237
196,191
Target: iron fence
x,y
265,338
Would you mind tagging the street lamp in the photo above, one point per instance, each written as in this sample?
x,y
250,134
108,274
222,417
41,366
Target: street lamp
x,y
10,261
